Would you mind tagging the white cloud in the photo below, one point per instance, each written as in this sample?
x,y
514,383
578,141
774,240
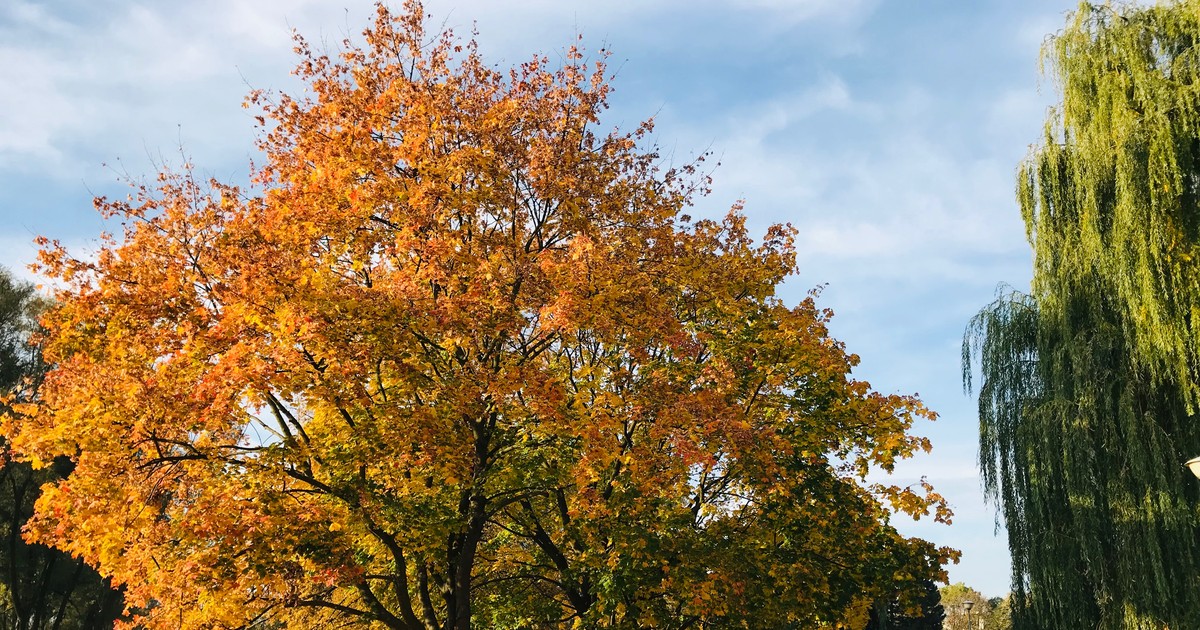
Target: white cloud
x,y
778,115
120,86
904,204
31,107
28,15
71,84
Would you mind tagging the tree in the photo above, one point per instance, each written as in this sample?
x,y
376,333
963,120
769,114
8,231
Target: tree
x,y
953,598
1089,387
462,363
999,616
926,613
21,366
1113,188
40,587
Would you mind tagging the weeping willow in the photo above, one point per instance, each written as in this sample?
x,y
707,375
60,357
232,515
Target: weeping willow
x,y
1088,385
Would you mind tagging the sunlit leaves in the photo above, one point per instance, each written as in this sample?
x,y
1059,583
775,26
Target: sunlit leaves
x,y
463,361
1088,396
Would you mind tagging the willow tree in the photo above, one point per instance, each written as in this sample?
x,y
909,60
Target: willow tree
x,y
1089,383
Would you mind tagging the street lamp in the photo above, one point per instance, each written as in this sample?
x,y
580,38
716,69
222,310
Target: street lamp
x,y
968,604
1193,465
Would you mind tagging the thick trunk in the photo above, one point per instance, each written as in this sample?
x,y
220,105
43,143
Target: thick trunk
x,y
463,546
462,564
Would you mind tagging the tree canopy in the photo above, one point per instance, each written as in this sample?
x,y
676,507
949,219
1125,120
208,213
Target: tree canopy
x,y
1088,386
21,366
1110,196
986,613
461,361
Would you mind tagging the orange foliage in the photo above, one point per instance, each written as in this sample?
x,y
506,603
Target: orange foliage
x,y
463,361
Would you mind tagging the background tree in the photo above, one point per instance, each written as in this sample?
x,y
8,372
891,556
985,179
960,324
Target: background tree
x,y
923,612
21,366
463,363
40,587
953,598
1000,615
1089,383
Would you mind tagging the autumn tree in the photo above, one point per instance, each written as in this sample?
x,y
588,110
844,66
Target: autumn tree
x,y
462,361
1088,393
40,587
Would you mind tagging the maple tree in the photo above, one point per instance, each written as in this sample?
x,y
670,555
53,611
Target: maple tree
x,y
463,362
40,587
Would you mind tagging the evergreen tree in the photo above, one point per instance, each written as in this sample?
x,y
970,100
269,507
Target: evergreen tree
x,y
1089,383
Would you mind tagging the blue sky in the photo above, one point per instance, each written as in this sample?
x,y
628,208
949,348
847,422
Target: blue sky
x,y
887,131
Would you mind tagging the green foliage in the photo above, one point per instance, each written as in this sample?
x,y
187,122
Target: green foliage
x,y
1082,453
1000,615
985,614
1110,196
40,587
1089,383
19,305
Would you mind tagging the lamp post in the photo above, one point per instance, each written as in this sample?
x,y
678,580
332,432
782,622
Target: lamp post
x,y
1193,465
968,604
